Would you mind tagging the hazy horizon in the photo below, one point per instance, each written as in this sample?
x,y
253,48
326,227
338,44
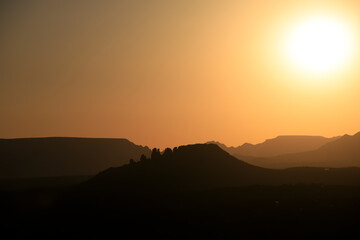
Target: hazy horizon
x,y
164,74
189,143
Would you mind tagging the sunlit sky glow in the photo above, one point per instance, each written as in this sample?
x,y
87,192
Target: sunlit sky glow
x,y
165,73
320,45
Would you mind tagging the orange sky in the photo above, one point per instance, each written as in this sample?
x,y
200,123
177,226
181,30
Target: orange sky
x,y
165,73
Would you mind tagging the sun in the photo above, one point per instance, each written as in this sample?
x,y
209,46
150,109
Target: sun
x,y
319,45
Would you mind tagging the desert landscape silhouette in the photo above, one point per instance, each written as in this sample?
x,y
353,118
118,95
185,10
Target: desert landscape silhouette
x,y
185,119
191,191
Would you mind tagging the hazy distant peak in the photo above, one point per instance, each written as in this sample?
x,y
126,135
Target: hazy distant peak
x,y
283,144
345,140
246,145
356,135
338,152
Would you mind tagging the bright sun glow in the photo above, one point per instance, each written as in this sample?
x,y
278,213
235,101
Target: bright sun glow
x,y
319,45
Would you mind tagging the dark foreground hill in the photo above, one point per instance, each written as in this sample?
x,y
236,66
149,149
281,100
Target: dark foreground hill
x,y
48,157
207,166
343,152
193,192
277,146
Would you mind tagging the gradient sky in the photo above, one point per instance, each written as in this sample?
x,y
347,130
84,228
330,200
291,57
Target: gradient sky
x,y
166,73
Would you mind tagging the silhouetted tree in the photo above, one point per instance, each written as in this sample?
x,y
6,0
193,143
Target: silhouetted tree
x,y
155,154
143,158
131,161
175,149
167,153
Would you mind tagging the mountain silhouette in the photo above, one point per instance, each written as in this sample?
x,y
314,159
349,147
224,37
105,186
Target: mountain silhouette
x,y
61,156
194,191
187,167
343,152
277,146
207,166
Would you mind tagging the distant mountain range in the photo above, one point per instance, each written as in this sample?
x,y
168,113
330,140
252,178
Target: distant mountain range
x,y
207,166
58,156
343,152
300,151
278,146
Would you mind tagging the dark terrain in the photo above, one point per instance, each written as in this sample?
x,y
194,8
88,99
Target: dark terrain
x,y
195,191
60,156
343,152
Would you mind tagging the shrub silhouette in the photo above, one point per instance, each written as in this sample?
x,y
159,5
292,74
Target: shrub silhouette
x,y
155,154
167,153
